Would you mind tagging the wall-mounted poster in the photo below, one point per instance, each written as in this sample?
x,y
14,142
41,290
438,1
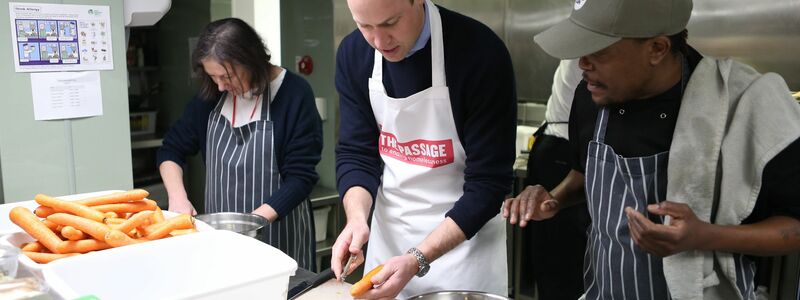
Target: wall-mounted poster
x,y
60,37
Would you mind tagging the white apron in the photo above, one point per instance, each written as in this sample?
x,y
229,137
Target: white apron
x,y
423,177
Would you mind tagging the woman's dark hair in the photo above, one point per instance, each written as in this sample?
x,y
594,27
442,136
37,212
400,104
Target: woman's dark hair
x,y
234,42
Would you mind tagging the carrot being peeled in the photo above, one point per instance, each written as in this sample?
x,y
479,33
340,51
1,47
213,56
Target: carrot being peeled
x,y
365,284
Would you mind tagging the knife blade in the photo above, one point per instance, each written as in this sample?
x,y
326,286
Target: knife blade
x,y
346,269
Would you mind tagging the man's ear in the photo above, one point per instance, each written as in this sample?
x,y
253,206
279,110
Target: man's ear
x,y
659,48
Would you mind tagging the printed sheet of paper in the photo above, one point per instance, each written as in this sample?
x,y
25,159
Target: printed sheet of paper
x,y
66,95
60,37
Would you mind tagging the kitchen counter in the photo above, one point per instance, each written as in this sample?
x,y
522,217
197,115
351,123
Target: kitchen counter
x,y
331,289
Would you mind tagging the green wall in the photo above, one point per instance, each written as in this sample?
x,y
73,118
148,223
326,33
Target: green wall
x,y
185,19
63,156
307,29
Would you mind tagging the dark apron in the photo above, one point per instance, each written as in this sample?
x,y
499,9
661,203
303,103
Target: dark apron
x,y
242,173
616,268
556,245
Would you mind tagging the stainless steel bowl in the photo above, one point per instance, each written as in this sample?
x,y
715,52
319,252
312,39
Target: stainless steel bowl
x,y
247,224
457,295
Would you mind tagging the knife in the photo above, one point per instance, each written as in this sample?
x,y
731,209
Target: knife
x,y
311,283
346,270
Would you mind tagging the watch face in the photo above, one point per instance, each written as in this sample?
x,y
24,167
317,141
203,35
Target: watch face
x,y
424,270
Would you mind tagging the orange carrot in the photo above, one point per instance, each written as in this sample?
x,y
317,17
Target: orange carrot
x,y
44,258
116,238
82,246
158,216
44,211
178,232
114,221
164,228
72,234
93,228
29,222
51,225
135,221
365,284
132,207
71,207
32,247
119,197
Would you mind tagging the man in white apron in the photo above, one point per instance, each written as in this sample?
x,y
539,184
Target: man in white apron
x,y
689,164
428,113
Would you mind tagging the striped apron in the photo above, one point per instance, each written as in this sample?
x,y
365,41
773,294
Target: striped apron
x,y
614,266
242,173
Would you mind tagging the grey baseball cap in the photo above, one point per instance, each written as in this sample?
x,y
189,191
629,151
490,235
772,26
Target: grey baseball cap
x,y
596,24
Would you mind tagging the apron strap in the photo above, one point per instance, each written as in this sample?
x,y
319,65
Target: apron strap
x,y
600,125
437,46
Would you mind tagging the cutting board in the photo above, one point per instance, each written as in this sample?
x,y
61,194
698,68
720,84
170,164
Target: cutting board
x,y
330,290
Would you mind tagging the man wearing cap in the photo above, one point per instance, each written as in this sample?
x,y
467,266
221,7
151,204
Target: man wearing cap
x,y
689,164
428,115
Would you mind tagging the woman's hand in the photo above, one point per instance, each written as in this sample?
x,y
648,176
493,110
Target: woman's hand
x,y
267,212
182,206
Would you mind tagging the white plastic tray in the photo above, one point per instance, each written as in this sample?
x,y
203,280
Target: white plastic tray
x,y
8,227
11,234
206,265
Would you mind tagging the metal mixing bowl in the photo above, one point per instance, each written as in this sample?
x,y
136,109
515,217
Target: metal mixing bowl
x,y
458,295
247,224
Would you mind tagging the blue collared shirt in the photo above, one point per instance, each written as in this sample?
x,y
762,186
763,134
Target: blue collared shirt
x,y
424,36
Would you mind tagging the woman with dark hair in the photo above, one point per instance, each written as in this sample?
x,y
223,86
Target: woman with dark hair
x,y
257,128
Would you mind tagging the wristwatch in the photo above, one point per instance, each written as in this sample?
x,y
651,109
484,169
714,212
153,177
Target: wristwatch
x,y
423,264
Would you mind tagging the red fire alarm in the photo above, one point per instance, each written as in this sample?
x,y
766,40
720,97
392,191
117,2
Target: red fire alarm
x,y
305,65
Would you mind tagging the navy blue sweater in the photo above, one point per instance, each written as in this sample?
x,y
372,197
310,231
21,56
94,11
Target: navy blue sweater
x,y
483,97
297,134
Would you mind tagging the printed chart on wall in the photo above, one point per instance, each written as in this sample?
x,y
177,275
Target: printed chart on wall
x,y
60,37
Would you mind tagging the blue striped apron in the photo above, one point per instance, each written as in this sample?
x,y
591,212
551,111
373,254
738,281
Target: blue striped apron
x,y
242,173
614,266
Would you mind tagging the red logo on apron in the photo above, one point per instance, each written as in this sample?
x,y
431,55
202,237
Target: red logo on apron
x,y
424,153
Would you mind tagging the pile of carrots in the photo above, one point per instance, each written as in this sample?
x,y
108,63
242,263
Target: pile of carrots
x,y
68,228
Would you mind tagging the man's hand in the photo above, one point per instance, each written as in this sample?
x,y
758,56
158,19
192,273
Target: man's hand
x,y
534,203
182,206
684,232
350,241
394,276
